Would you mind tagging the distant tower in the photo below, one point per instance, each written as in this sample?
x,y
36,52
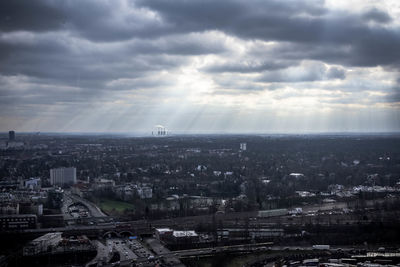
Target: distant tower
x,y
11,136
243,146
161,130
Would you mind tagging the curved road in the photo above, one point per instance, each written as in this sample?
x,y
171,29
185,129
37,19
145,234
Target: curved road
x,y
93,209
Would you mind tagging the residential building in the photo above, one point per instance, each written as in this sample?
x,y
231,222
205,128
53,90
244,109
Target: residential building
x,y
63,176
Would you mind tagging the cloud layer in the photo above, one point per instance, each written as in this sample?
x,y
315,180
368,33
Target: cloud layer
x,y
199,66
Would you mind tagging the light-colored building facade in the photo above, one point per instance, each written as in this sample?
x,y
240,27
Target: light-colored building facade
x,y
243,146
63,176
145,192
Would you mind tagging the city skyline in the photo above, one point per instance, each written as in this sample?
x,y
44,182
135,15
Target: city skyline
x,y
200,66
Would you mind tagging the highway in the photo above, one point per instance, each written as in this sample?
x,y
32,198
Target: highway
x,y
67,201
103,254
235,249
164,253
93,209
126,254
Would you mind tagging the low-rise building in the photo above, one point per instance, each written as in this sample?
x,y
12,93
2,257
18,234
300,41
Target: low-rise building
x,y
145,192
169,235
164,233
81,189
182,237
32,183
9,208
101,183
18,221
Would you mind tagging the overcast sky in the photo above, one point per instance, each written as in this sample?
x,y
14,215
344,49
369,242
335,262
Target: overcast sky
x,y
200,66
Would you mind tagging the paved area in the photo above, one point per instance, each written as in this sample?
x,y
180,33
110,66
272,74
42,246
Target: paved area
x,y
93,209
139,249
67,201
103,254
162,252
122,247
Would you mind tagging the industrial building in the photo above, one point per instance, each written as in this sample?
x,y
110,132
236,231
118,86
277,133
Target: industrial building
x,y
164,233
161,131
184,237
178,237
42,244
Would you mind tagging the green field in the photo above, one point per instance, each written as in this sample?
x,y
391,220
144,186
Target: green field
x,y
110,206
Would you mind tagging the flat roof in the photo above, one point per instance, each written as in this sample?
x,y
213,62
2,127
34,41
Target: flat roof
x,y
184,233
163,230
47,236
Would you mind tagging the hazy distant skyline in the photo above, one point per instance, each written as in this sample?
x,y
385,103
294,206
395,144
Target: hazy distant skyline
x,y
200,66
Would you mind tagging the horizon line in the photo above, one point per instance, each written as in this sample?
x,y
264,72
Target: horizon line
x,y
180,133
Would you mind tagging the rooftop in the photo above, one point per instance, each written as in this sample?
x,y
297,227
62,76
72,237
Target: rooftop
x,y
184,233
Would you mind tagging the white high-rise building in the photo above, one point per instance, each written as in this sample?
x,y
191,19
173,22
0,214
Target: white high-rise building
x,y
243,146
63,176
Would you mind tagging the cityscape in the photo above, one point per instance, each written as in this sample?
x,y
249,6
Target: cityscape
x,y
185,200
200,133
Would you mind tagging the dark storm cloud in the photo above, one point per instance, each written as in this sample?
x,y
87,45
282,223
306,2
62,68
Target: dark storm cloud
x,y
394,95
177,45
249,67
76,71
56,58
377,15
305,73
91,44
366,51
250,19
30,15
305,22
93,19
60,57
336,73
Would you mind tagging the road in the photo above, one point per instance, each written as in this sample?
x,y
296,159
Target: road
x,y
161,251
128,248
67,201
125,253
93,209
103,254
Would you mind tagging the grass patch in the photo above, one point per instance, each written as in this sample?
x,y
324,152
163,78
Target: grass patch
x,y
111,206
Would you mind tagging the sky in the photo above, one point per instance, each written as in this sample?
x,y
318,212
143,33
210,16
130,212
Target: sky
x,y
200,66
